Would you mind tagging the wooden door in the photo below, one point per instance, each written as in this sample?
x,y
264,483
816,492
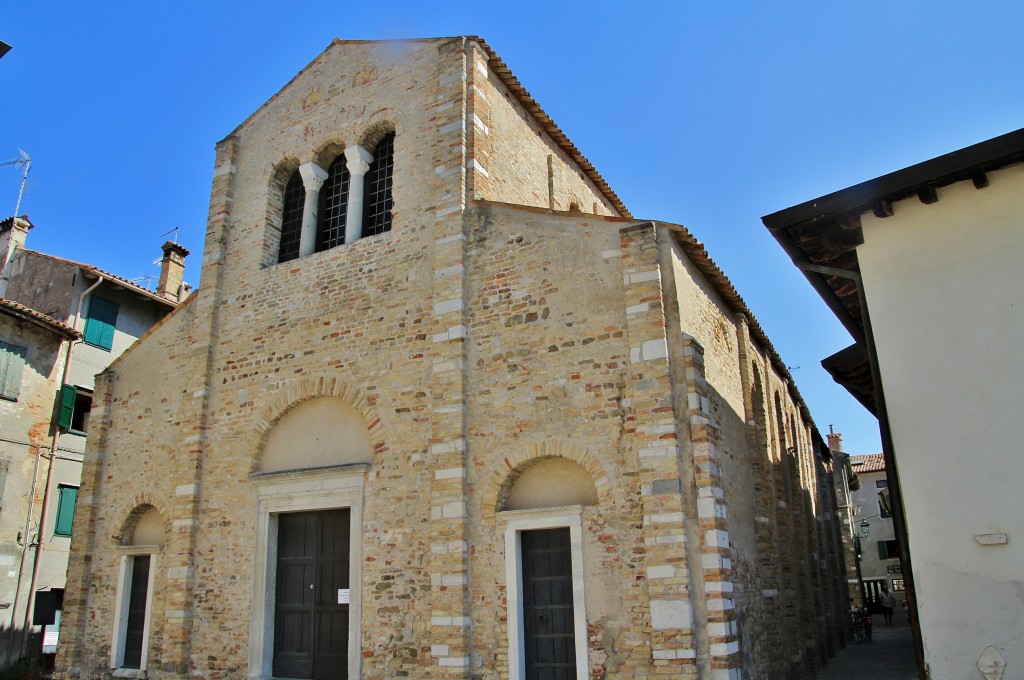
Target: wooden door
x,y
548,622
310,626
330,626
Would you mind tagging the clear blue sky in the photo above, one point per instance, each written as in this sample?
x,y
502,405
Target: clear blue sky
x,y
707,114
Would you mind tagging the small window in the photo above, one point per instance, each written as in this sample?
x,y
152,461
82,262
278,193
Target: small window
x,y
100,322
888,550
291,218
12,361
881,484
67,496
75,406
898,585
884,503
333,206
377,206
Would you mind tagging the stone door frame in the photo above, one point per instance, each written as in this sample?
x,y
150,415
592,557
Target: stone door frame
x,y
517,521
297,491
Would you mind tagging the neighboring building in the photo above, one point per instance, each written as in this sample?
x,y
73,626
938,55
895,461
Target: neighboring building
x,y
879,550
934,253
442,408
847,484
105,315
33,350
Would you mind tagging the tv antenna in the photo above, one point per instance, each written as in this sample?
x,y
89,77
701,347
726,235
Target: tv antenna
x,y
174,239
25,163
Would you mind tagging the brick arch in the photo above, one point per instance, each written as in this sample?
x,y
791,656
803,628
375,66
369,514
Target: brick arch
x,y
372,135
308,389
133,511
282,171
328,151
509,469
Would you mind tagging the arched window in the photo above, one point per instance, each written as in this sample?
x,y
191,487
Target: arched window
x,y
333,206
291,218
377,204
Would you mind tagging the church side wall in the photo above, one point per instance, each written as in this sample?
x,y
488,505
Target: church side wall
x,y
549,369
532,171
755,473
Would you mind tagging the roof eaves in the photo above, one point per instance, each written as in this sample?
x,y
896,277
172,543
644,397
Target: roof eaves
x,y
700,257
955,166
18,310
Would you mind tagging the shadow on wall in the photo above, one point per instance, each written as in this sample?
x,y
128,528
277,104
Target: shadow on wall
x,y
789,592
14,664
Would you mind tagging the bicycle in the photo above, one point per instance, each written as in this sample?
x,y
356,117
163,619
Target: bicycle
x,y
860,619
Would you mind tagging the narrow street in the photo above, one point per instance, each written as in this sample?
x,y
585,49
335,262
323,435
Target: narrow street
x,y
889,655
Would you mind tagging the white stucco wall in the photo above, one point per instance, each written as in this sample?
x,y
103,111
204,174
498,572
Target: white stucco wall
x,y
945,290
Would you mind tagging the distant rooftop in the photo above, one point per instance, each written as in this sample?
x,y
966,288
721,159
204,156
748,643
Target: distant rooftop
x,y
94,272
870,463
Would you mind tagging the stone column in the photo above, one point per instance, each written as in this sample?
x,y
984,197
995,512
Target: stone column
x,y
313,177
359,160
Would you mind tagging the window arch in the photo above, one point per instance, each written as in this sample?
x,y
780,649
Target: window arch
x,y
379,179
291,218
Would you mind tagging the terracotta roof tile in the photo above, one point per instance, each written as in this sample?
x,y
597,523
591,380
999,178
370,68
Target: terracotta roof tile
x,y
27,313
870,463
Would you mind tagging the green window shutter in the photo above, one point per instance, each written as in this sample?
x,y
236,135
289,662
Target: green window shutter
x,y
67,406
100,323
12,361
66,499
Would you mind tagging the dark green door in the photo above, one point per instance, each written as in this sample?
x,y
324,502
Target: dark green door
x,y
311,607
548,627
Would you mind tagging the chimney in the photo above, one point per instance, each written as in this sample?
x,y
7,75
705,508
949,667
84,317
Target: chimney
x,y
835,441
172,269
13,232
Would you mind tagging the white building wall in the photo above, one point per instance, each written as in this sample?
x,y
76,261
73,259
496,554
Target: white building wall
x,y
945,290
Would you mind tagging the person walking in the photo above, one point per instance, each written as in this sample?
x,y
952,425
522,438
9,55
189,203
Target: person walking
x,y
887,602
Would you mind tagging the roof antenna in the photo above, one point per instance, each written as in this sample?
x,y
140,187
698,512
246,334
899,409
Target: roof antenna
x,y
174,239
25,163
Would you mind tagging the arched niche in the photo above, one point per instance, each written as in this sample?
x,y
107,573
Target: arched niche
x,y
317,433
144,526
551,483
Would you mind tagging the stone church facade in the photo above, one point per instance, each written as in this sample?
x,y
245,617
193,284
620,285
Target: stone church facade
x,y
443,408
